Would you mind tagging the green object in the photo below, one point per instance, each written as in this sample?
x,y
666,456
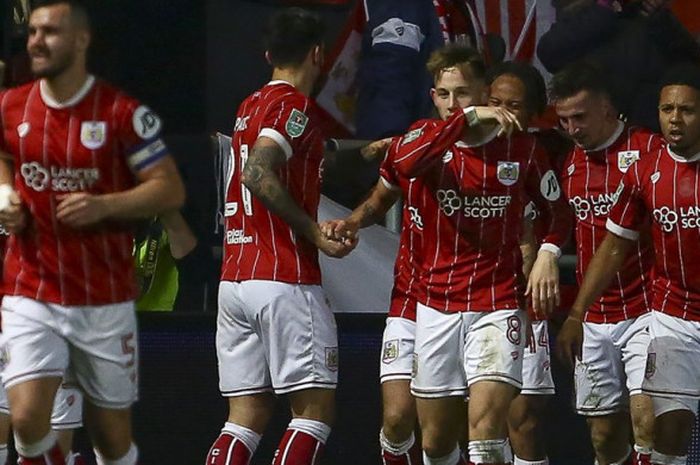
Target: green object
x,y
155,271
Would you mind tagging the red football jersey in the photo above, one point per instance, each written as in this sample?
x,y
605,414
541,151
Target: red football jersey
x,y
406,268
664,188
590,179
474,213
94,143
259,244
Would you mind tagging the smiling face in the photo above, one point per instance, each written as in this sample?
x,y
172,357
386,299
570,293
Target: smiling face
x,y
509,92
55,42
679,117
454,91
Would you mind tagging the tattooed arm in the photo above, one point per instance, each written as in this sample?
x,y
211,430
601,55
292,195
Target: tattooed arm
x,y
260,177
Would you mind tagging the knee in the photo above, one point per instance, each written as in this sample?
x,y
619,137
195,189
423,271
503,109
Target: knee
x,y
397,422
437,445
486,425
604,435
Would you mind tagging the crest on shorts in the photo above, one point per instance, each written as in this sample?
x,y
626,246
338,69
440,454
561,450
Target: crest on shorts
x,y
626,158
507,172
93,134
391,351
296,123
411,136
332,358
651,365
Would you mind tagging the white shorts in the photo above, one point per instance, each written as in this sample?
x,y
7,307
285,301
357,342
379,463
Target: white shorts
x,y
612,365
98,342
456,350
274,336
537,365
397,349
673,362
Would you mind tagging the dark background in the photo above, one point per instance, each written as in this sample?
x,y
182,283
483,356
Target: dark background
x,y
193,61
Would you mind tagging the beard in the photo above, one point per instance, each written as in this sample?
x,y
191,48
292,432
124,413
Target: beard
x,y
54,66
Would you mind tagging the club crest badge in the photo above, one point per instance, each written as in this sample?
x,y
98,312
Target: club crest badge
x,y
332,358
296,123
626,158
93,134
391,351
507,172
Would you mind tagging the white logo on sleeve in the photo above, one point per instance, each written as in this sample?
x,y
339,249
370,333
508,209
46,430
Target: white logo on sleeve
x,y
549,186
146,123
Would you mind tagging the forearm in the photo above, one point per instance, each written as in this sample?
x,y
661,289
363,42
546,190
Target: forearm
x,y
375,207
604,265
180,237
147,199
266,187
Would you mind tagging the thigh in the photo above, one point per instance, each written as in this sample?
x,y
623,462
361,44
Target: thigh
x,y
494,347
104,352
537,365
299,331
599,376
635,345
33,344
398,343
673,359
438,369
243,365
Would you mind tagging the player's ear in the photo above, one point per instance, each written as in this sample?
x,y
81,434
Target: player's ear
x,y
267,57
317,55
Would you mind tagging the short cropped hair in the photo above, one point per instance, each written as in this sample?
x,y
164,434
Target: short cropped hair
x,y
535,87
456,56
290,35
683,74
78,10
577,77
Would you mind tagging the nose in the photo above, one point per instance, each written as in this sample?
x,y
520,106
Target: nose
x,y
453,101
675,115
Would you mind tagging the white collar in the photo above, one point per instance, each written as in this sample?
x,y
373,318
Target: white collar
x,y
52,103
489,137
611,140
278,82
681,159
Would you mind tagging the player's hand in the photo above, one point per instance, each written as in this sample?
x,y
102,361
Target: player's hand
x,y
543,284
14,217
570,341
501,116
336,248
376,150
79,210
340,230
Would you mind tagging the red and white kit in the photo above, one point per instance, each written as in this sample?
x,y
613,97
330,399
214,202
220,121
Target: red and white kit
x,y
472,223
664,188
398,341
615,335
270,295
65,285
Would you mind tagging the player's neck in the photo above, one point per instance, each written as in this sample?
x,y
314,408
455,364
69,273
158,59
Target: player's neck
x,y
64,86
689,153
296,77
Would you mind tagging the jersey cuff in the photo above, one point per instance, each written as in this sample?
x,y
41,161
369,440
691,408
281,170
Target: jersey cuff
x,y
389,185
549,247
620,231
279,139
147,154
